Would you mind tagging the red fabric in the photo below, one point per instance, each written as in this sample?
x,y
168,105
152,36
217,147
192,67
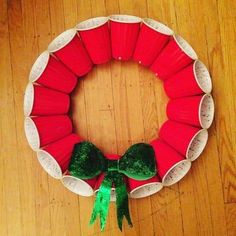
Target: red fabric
x,y
149,44
52,128
177,135
112,156
182,84
123,39
75,57
97,43
61,150
49,102
185,110
171,60
166,157
57,76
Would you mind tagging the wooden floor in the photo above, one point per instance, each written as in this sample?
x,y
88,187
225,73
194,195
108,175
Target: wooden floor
x,y
118,104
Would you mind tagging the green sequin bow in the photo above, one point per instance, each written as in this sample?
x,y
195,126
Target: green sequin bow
x,y
88,161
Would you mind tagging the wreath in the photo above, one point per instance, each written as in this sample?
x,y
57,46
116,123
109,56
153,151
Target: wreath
x,y
144,168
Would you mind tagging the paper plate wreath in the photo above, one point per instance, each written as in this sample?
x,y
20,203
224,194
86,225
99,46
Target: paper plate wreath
x,y
144,168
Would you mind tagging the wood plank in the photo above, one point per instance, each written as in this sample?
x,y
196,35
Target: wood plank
x,y
11,214
188,205
226,133
37,37
57,17
230,218
70,13
18,51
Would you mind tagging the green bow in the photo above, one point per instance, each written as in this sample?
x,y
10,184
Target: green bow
x,y
88,161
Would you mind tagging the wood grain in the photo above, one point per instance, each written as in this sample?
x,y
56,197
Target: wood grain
x,y
117,105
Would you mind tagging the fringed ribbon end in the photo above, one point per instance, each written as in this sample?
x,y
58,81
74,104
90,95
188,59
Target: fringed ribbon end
x,y
102,201
122,201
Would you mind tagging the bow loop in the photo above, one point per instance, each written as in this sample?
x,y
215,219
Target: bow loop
x,y
87,161
138,162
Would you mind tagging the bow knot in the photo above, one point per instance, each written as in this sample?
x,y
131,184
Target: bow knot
x,y
113,165
88,161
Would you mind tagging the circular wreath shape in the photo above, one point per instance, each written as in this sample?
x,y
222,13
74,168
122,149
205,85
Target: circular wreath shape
x,y
72,54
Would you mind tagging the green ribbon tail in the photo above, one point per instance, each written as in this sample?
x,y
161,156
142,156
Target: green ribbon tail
x,y
122,202
101,205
